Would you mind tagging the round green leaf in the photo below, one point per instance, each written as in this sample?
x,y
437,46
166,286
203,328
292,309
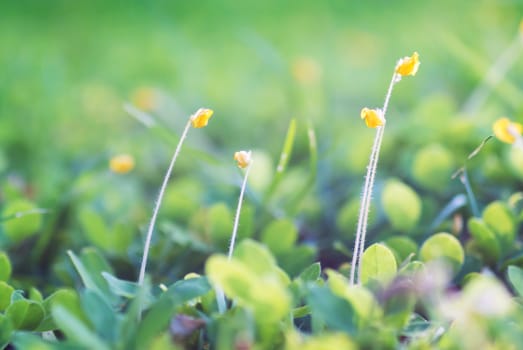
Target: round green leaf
x,y
5,267
402,247
401,205
378,263
499,218
19,228
432,167
445,247
280,236
5,295
485,239
25,314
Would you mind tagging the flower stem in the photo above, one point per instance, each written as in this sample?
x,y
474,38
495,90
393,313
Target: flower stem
x,y
220,295
159,202
238,210
361,230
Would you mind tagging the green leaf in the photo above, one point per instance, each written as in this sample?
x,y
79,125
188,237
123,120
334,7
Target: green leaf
x,y
90,267
515,277
432,167
6,330
378,263
95,228
364,303
30,341
256,256
121,287
311,273
69,299
101,314
159,315
5,267
5,295
485,240
401,205
25,314
402,247
76,330
297,259
337,313
24,220
444,247
280,236
35,295
500,219
264,292
220,221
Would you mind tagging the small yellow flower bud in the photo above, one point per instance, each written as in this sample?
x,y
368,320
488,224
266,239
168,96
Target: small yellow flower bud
x,y
507,131
121,164
243,158
408,65
201,118
373,117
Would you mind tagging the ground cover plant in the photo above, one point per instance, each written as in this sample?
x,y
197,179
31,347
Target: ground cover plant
x,y
177,176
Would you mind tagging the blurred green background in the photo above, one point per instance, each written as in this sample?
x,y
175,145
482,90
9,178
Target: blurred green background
x,y
68,68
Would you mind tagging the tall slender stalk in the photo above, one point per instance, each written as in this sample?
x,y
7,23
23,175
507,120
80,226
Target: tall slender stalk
x,y
375,118
238,211
198,120
244,161
158,203
367,190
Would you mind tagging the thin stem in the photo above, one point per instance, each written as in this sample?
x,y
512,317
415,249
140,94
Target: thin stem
x,y
238,210
159,202
359,243
220,295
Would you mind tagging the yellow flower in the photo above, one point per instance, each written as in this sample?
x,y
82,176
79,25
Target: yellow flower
x,y
408,65
243,158
507,131
121,164
521,27
373,117
201,118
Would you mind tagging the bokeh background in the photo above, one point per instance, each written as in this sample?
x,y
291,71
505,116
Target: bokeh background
x,y
73,76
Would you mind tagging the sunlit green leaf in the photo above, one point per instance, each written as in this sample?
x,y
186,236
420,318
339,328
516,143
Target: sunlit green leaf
x,y
378,263
445,248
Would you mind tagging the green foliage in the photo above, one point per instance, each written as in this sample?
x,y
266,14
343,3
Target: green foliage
x,y
499,218
445,248
68,278
432,167
401,205
515,277
378,264
20,220
5,267
485,240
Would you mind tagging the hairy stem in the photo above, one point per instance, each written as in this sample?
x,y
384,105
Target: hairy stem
x,y
158,204
361,230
